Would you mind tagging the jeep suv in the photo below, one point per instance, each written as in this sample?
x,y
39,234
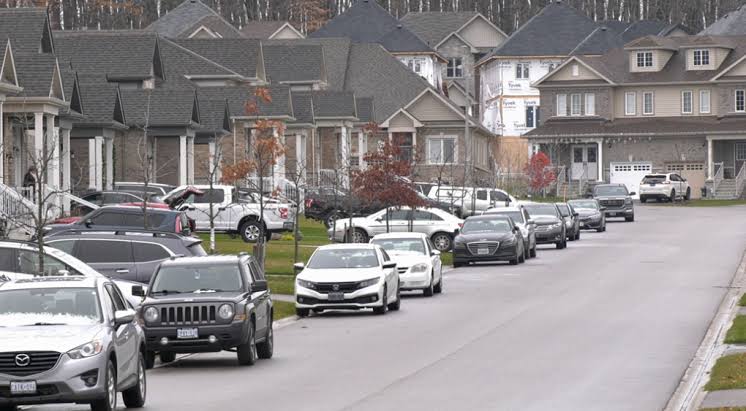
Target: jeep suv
x,y
616,200
208,304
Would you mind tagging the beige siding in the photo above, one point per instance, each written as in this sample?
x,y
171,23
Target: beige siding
x,y
481,34
566,73
457,96
430,108
738,70
286,33
717,56
666,100
720,56
401,121
660,58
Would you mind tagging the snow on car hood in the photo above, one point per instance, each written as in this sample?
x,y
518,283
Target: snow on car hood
x,y
339,275
61,338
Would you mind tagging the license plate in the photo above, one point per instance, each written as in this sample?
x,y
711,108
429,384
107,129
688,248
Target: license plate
x,y
336,296
22,387
187,333
612,214
482,251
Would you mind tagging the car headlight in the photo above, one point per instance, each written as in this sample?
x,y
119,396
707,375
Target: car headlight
x,y
627,200
368,283
418,268
225,312
306,284
86,350
555,226
151,314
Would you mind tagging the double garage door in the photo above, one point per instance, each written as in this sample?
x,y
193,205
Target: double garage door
x,y
631,174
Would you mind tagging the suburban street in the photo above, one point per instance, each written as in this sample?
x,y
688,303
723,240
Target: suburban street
x,y
610,323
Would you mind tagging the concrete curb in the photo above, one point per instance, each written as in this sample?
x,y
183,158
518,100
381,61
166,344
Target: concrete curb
x,y
689,394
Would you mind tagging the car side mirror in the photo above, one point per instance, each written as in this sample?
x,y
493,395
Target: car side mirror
x,y
88,222
123,317
602,209
298,267
389,265
456,232
259,285
575,214
632,193
434,253
138,291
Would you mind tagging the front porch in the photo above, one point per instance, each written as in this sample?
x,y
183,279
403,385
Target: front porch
x,y
726,166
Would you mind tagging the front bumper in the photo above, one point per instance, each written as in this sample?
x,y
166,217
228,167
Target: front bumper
x,y
591,223
625,211
368,297
415,281
549,236
61,384
463,255
228,336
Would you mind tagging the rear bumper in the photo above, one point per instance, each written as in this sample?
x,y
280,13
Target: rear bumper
x,y
228,336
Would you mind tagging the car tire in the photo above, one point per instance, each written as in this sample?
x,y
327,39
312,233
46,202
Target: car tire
x,y
167,357
688,195
135,397
443,241
246,352
430,290
109,402
577,235
302,312
672,196
359,236
643,199
630,218
251,231
559,245
439,287
533,252
396,305
331,217
266,348
526,253
8,408
384,303
514,261
149,360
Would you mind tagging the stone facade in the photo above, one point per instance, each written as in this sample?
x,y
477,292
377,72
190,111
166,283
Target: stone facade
x,y
455,48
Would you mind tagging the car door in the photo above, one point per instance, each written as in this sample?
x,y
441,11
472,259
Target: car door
x,y
398,220
425,222
261,298
147,256
112,258
199,209
125,338
391,275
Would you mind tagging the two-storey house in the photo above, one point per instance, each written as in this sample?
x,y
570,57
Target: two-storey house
x,y
675,104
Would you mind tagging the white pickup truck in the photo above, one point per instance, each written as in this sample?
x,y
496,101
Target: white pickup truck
x,y
235,212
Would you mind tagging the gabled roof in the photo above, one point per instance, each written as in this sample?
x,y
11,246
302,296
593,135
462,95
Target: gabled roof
x,y
334,105
365,109
103,105
367,22
266,30
294,63
214,115
336,52
187,17
653,42
184,64
601,40
28,28
434,27
641,28
161,107
71,87
280,107
731,24
302,107
8,75
244,56
39,75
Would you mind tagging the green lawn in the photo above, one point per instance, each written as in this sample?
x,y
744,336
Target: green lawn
x,y
737,332
281,284
283,309
728,373
742,301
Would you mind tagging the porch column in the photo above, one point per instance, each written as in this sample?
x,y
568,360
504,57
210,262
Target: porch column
x,y
183,160
109,147
300,161
53,153
600,160
279,168
99,163
38,149
92,163
710,164
212,172
2,144
363,141
190,160
65,136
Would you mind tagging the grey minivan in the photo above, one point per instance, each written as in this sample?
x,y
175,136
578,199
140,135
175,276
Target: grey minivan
x,y
131,255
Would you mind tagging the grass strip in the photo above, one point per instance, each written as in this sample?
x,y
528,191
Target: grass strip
x,y
728,373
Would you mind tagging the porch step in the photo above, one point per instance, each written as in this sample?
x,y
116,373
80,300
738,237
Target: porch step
x,y
727,190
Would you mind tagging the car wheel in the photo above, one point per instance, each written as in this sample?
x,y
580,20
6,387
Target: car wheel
x,y
246,352
149,359
396,305
135,397
384,303
672,197
688,195
643,199
359,236
266,348
630,218
109,402
558,244
430,290
251,231
167,357
442,241
302,312
526,253
514,261
577,235
331,217
533,252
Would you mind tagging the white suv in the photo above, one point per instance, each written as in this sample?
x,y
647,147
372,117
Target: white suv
x,y
20,260
664,187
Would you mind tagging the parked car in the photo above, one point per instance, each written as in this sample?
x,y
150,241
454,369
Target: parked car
x,y
208,304
138,188
667,186
417,261
113,218
131,255
616,200
347,277
471,200
437,224
523,221
101,198
69,339
590,214
20,260
231,215
490,237
572,222
327,204
550,225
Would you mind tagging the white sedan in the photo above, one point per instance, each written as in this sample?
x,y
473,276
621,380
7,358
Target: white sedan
x,y
347,277
417,261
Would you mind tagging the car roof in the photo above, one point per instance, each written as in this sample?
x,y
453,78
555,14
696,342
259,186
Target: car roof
x,y
501,210
609,185
130,208
489,217
69,281
134,235
400,235
205,260
136,183
348,246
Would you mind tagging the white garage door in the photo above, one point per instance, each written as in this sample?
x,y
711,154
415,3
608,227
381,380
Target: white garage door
x,y
629,174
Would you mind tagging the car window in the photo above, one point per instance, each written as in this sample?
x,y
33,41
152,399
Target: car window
x,y
210,196
343,258
256,271
138,220
186,279
94,198
619,190
485,226
401,245
8,260
63,245
542,209
385,255
149,252
398,214
108,303
106,251
564,210
28,263
420,215
107,218
675,177
481,194
117,299
498,196
72,306
653,179
430,245
591,204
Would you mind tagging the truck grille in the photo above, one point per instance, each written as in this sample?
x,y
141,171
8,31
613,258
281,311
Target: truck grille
x,y
612,203
337,287
189,314
39,362
491,247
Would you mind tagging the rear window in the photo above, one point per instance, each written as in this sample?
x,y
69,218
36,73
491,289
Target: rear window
x,y
654,179
106,251
149,252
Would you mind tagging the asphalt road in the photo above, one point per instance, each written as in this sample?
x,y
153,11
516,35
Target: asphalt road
x,y
610,323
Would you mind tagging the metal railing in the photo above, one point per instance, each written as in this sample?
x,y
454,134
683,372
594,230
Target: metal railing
x,y
718,177
561,177
740,178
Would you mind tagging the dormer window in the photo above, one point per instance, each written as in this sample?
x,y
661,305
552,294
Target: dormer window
x,y
701,57
644,59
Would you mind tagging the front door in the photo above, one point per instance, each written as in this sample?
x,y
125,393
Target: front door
x,y
584,162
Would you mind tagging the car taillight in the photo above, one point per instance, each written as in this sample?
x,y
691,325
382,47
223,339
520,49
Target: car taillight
x,y
283,212
309,202
178,225
460,225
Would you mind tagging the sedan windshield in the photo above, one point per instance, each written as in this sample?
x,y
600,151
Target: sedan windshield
x,y
611,191
401,245
542,209
485,225
177,279
517,216
49,306
344,258
591,204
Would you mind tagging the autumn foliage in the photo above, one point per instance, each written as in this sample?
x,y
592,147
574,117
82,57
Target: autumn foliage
x,y
539,173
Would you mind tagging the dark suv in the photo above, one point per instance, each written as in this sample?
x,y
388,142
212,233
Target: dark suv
x,y
113,218
208,304
130,255
616,200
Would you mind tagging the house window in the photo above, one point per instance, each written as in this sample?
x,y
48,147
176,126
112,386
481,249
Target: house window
x,y
441,150
704,101
645,59
630,104
590,104
648,106
561,104
455,68
521,71
740,101
405,142
701,57
575,105
740,151
686,102
416,65
532,116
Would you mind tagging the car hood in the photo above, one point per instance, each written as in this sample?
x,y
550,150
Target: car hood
x,y
232,296
408,259
545,219
585,212
477,237
611,197
61,338
339,275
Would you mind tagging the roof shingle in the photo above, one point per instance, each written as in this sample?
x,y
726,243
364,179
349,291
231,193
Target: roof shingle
x,y
187,17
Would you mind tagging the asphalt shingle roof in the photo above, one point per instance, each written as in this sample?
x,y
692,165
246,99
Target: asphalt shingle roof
x,y
336,53
180,62
261,29
434,27
302,107
214,115
333,104
643,28
99,103
296,62
159,107
365,109
239,55
731,24
35,72
187,17
601,40
237,98
27,27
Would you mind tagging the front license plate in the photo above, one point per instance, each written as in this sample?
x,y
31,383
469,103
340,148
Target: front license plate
x,y
336,296
612,214
22,387
187,333
482,251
